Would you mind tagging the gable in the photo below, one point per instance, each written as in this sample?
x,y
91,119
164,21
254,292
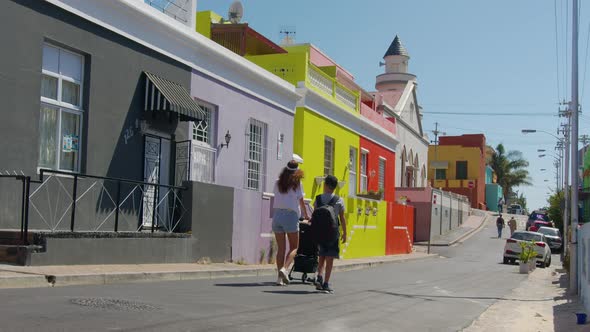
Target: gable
x,y
408,108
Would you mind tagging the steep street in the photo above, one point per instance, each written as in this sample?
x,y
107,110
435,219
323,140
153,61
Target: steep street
x,y
442,294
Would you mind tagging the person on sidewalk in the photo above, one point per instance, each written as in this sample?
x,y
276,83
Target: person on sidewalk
x,y
329,248
500,205
500,224
512,225
287,208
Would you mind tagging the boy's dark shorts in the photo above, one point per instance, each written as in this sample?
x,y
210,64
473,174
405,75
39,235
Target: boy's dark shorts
x,y
330,250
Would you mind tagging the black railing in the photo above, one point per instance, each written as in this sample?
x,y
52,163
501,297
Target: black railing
x,y
24,210
156,206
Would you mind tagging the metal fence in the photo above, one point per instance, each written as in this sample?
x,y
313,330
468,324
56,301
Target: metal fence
x,y
72,202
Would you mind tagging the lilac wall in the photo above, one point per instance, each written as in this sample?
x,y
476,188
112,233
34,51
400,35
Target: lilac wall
x,y
234,109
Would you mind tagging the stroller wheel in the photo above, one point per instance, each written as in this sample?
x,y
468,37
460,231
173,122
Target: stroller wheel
x,y
304,278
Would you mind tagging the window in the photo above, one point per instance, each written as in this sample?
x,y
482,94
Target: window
x,y
204,131
382,173
440,174
255,159
364,179
352,167
328,156
461,170
60,121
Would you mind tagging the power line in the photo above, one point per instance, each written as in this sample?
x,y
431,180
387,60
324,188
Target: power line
x,y
490,113
556,50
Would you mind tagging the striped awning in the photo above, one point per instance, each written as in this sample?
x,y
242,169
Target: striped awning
x,y
164,95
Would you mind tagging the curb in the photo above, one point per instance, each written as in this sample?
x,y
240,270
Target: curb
x,y
41,281
462,238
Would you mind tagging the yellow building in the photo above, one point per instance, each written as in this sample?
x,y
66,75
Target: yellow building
x,y
457,164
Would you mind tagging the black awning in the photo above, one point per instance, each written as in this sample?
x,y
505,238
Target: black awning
x,y
164,95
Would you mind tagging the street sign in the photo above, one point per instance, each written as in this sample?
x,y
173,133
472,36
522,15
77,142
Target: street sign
x,y
470,184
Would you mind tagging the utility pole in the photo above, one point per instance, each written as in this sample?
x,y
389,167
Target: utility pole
x,y
565,130
436,132
574,134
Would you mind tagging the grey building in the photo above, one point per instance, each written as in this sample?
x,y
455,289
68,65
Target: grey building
x,y
81,99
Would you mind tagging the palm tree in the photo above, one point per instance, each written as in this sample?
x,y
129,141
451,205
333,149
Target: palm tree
x,y
510,168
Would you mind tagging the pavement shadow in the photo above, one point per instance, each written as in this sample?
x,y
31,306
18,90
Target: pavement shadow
x,y
429,297
291,292
248,284
564,315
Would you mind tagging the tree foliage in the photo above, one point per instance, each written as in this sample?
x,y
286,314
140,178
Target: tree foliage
x,y
555,210
510,168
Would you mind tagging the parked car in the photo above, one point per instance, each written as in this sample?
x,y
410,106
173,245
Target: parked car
x,y
537,215
515,209
512,248
538,224
553,236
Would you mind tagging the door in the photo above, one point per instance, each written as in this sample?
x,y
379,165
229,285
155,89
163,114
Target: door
x,y
156,170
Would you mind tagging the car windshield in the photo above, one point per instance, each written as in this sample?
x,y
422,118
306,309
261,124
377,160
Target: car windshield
x,y
527,236
549,231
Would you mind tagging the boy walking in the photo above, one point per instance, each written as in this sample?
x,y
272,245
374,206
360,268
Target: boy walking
x,y
330,248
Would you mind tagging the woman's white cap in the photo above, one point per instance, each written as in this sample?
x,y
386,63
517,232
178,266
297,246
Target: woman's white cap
x,y
297,158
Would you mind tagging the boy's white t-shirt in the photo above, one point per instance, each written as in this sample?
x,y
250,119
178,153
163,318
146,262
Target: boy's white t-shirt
x,y
288,200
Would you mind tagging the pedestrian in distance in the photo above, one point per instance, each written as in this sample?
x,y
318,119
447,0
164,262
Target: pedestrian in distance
x,y
287,208
500,224
326,221
512,225
500,205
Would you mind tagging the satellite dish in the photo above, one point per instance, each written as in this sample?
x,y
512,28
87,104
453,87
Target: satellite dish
x,y
236,11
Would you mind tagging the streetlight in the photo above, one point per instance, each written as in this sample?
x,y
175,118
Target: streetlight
x,y
531,131
543,169
541,150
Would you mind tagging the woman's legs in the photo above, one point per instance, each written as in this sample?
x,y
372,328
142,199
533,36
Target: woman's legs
x,y
293,246
281,243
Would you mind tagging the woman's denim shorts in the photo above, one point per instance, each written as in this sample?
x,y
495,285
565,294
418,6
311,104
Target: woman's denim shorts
x,y
285,221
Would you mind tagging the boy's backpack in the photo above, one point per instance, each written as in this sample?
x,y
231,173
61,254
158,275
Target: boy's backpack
x,y
324,221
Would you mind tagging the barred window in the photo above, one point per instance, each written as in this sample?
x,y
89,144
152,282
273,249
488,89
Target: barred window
x,y
328,156
255,154
382,173
203,131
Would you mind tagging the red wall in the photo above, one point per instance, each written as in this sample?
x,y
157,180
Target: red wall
x,y
375,151
400,229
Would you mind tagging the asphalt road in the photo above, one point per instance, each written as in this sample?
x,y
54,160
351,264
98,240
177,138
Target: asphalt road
x,y
442,294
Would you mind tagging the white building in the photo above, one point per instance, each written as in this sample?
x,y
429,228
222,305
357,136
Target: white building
x,y
396,97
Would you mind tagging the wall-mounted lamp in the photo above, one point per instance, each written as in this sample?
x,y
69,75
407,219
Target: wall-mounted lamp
x,y
227,140
368,211
319,179
359,211
374,211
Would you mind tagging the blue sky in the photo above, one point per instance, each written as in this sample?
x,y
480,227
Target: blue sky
x,y
469,56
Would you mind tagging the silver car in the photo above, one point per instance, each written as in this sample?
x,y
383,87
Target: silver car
x,y
553,236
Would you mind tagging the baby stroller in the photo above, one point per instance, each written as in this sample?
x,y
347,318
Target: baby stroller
x,y
306,260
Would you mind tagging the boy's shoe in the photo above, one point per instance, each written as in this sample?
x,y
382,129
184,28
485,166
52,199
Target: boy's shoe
x,y
284,276
327,289
319,283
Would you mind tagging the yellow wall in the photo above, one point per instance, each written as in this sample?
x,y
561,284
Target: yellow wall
x,y
366,234
453,153
204,20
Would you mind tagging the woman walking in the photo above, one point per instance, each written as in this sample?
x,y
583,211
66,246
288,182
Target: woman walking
x,y
288,206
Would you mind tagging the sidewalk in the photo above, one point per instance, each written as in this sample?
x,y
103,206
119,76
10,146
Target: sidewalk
x,y
474,223
49,276
539,304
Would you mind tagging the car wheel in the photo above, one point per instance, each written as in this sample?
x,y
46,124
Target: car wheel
x,y
549,262
513,261
543,264
506,260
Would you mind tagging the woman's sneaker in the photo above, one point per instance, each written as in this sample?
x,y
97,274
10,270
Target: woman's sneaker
x,y
319,283
327,289
284,276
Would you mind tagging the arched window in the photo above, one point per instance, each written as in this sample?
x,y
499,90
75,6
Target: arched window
x,y
402,182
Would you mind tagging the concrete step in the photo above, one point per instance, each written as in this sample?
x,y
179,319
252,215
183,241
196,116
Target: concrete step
x,y
17,254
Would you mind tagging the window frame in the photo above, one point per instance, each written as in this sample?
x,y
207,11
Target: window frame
x,y
352,170
363,170
64,107
330,167
436,176
461,162
381,176
211,112
262,162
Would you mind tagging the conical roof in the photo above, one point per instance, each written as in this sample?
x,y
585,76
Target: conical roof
x,y
396,48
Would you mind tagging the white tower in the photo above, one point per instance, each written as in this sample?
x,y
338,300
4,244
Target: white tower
x,y
396,67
